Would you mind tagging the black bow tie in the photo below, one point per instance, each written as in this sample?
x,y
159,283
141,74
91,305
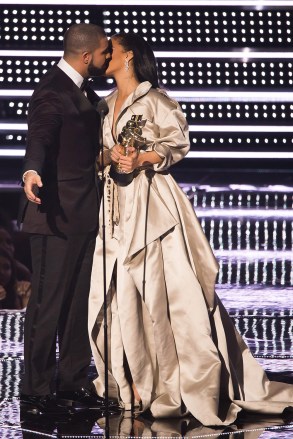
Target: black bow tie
x,y
85,85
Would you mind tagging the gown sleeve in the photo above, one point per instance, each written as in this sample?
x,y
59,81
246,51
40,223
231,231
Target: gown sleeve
x,y
173,142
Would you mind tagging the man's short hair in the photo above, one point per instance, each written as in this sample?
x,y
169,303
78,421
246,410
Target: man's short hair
x,y
82,37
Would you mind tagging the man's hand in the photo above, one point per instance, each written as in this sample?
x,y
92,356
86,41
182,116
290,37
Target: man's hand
x,y
31,181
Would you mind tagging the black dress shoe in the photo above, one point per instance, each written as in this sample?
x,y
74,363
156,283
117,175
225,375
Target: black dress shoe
x,y
42,405
84,399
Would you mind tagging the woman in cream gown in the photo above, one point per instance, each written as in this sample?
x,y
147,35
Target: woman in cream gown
x,y
173,349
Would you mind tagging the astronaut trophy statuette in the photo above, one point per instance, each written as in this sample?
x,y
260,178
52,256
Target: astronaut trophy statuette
x,y
129,136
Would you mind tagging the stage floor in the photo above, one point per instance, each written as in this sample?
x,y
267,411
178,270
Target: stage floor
x,y
251,232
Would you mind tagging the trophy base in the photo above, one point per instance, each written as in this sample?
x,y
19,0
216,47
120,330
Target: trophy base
x,y
121,178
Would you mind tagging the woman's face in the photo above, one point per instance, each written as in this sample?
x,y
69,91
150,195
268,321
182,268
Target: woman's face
x,y
5,271
118,57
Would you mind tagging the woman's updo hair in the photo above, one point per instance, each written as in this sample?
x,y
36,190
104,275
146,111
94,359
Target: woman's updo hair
x,y
144,61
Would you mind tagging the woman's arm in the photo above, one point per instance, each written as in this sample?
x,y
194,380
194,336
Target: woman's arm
x,y
133,160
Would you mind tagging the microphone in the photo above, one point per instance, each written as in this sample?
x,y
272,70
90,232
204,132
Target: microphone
x,y
102,108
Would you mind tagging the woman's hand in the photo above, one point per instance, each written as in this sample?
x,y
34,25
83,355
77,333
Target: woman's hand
x,y
127,163
116,152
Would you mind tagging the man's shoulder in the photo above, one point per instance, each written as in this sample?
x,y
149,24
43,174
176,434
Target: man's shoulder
x,y
54,79
54,83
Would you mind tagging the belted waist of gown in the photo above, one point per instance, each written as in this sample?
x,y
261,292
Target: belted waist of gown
x,y
111,194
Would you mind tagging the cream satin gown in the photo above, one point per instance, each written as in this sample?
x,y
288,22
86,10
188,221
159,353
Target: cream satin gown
x,y
182,349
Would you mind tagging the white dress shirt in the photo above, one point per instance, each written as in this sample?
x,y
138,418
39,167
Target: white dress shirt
x,y
70,71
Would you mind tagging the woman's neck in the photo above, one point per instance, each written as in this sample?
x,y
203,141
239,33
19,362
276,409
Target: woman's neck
x,y
126,86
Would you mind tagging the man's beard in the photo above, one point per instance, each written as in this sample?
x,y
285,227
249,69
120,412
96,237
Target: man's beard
x,y
97,71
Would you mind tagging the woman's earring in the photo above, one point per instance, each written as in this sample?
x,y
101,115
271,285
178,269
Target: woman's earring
x,y
126,64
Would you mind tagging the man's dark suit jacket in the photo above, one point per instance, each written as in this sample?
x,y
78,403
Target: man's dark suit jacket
x,y
62,145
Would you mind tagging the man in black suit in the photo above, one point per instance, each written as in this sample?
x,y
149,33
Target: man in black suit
x,y
61,216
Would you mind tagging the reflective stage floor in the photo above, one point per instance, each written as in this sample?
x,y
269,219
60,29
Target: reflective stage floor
x,y
251,232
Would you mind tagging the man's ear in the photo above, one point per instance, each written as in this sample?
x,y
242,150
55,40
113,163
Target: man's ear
x,y
86,57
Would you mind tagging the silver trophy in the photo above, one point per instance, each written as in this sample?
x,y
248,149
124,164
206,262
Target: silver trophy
x,y
129,136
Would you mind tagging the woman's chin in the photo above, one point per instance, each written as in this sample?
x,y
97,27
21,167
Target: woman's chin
x,y
108,73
